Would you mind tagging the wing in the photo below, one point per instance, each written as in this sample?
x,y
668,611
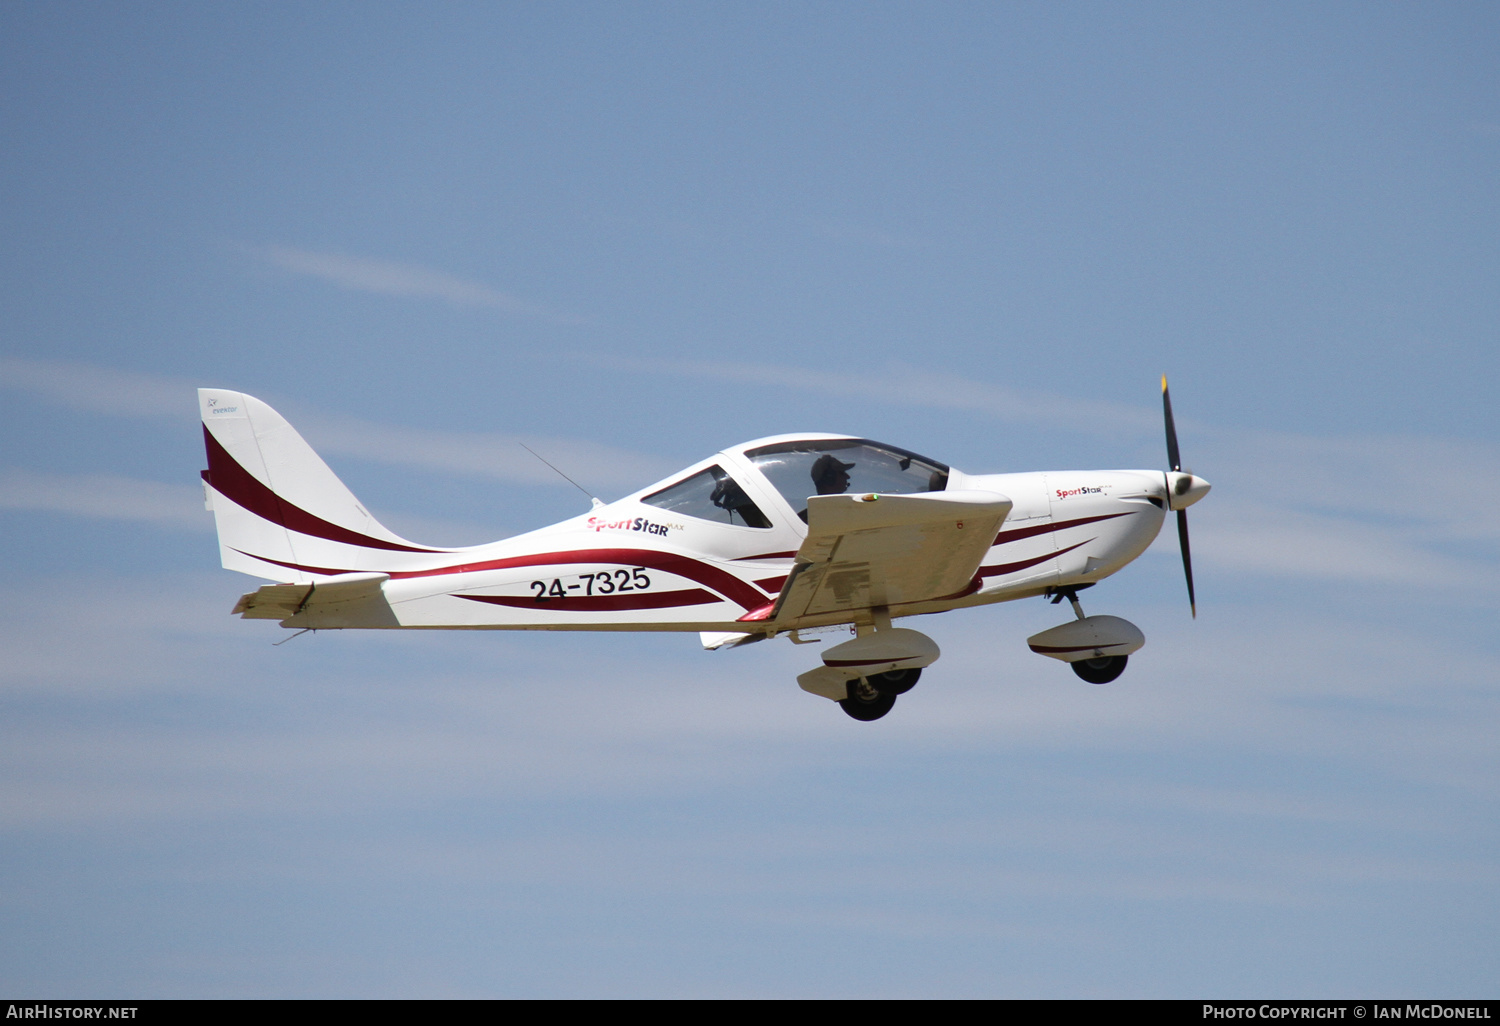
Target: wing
x,y
866,551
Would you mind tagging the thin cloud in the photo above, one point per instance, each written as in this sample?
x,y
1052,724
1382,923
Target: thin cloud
x,y
1283,542
82,386
477,454
1451,484
106,496
406,281
907,386
555,729
124,393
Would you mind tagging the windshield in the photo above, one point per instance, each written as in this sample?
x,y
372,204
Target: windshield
x,y
833,466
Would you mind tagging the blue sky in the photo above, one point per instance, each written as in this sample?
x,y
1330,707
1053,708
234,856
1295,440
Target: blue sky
x,y
628,235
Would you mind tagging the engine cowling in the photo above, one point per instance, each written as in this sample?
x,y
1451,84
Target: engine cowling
x,y
1093,637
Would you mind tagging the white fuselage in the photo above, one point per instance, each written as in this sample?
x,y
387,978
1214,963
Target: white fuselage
x,y
631,566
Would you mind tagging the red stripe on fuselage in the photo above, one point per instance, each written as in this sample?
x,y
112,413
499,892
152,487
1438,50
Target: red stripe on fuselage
x,y
1010,568
243,488
603,603
683,566
1031,532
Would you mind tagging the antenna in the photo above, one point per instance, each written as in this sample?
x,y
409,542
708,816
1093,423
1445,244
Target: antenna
x,y
592,498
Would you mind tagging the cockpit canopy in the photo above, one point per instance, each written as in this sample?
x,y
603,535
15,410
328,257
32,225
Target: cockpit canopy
x,y
832,466
710,495
798,469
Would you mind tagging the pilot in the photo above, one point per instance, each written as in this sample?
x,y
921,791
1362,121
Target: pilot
x,y
830,475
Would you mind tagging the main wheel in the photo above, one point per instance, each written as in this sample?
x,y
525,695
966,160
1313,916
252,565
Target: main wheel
x,y
1102,670
866,702
896,682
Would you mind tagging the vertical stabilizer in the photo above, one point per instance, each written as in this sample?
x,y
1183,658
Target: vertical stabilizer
x,y
281,512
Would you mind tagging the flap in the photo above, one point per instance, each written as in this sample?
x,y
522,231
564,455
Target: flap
x,y
866,551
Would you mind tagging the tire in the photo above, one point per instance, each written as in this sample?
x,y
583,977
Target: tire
x,y
1100,671
871,705
896,682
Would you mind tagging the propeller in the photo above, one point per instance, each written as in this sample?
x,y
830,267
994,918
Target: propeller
x,y
1183,489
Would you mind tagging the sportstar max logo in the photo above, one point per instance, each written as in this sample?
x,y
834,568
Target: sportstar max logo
x,y
636,524
1079,491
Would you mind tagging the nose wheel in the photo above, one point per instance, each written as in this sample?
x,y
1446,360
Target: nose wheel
x,y
1102,670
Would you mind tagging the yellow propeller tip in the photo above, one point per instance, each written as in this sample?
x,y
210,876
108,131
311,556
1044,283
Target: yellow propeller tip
x,y
1163,382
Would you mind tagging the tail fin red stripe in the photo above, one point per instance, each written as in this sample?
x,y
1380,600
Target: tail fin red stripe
x,y
226,476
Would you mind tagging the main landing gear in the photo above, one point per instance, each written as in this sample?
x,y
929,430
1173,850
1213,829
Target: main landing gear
x,y
872,697
867,674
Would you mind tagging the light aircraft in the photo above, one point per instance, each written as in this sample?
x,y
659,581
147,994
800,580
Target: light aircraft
x,y
779,536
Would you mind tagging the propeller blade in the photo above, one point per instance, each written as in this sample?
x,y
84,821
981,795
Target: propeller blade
x,y
1173,457
1187,558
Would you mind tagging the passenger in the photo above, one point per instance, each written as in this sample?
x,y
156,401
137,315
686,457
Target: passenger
x,y
731,498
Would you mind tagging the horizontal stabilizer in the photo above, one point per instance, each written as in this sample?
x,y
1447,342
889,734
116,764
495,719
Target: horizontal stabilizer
x,y
272,602
348,600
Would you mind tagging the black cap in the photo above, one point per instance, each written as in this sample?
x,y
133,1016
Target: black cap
x,y
827,466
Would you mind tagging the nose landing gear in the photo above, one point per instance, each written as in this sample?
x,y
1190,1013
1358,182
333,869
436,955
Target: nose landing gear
x,y
1096,647
1101,670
